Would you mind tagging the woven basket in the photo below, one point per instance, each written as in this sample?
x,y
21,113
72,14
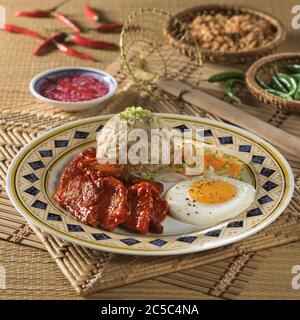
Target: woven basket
x,y
225,57
264,68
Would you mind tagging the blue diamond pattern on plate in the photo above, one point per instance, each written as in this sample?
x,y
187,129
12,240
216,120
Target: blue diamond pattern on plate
x,y
101,236
61,143
158,242
226,140
264,199
182,128
31,177
205,133
130,241
213,233
35,165
269,185
46,153
235,224
81,135
74,228
266,172
187,239
245,148
32,191
39,204
254,212
100,127
54,217
258,159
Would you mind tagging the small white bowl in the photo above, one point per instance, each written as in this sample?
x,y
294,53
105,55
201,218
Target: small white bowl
x,y
37,81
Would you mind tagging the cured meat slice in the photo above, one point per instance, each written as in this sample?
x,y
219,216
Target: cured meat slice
x,y
99,203
146,209
106,196
91,167
140,205
159,213
110,208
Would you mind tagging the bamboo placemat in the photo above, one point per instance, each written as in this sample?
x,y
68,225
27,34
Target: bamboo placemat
x,y
90,271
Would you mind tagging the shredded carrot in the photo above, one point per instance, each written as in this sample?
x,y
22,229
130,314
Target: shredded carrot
x,y
216,163
235,170
220,162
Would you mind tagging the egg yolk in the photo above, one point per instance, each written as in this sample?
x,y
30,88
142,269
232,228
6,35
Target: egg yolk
x,y
212,191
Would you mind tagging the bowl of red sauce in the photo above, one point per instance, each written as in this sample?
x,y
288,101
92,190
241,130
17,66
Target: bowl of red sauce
x,y
73,88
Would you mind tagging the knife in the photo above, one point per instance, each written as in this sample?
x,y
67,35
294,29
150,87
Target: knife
x,y
286,141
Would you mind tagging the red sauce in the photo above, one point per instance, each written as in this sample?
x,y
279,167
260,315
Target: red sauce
x,y
74,88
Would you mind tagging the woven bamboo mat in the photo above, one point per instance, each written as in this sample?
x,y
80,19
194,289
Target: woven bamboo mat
x,y
222,272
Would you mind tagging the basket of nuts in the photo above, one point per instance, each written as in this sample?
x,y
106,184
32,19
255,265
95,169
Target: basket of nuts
x,y
228,34
276,80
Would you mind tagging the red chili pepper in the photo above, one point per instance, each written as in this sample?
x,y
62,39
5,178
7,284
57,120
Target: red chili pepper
x,y
91,43
39,13
16,29
68,22
74,53
91,13
34,13
110,27
49,43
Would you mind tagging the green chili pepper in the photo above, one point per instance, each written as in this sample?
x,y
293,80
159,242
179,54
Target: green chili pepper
x,y
277,85
297,93
296,76
226,76
280,94
228,86
289,82
293,67
262,83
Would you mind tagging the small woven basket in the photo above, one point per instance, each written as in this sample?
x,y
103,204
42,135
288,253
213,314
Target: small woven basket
x,y
187,16
264,69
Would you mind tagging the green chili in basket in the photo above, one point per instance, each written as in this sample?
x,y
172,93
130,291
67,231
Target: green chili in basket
x,y
284,85
279,94
223,76
262,83
229,85
293,67
296,76
289,82
297,93
277,85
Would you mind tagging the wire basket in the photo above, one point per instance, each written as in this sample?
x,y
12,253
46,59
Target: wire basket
x,y
147,53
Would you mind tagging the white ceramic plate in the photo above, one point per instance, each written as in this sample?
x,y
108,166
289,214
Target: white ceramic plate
x,y
34,173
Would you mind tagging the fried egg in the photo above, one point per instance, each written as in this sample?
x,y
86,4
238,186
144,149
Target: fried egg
x,y
209,201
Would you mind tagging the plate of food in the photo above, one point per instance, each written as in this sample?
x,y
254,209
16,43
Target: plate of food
x,y
60,183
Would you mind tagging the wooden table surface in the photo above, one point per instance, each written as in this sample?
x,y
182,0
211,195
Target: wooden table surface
x,y
273,277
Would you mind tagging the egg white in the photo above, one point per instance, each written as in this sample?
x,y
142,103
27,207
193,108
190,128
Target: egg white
x,y
184,208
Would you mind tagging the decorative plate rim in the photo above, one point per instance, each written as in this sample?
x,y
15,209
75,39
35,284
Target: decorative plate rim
x,y
285,167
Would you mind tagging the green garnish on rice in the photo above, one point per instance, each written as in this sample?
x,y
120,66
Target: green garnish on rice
x,y
134,115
